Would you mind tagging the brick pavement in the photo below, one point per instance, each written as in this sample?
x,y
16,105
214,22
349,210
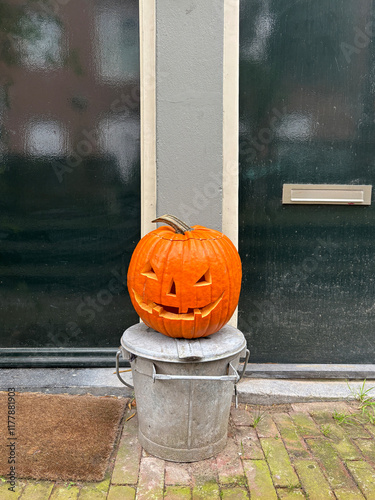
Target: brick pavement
x,y
295,451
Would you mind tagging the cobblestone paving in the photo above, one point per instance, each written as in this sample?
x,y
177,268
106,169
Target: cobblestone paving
x,y
294,452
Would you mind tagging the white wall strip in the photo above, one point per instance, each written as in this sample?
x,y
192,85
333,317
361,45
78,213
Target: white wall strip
x,y
147,35
230,119
230,124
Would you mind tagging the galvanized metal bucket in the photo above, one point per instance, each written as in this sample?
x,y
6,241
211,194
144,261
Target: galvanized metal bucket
x,y
183,389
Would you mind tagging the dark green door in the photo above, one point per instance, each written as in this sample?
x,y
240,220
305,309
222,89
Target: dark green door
x,y
307,98
69,177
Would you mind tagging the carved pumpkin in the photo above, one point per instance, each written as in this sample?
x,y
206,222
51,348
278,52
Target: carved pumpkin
x,y
184,281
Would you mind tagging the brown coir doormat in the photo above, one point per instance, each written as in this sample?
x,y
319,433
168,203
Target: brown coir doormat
x,y
58,436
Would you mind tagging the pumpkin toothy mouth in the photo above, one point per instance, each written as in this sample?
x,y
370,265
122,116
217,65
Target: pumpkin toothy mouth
x,y
169,312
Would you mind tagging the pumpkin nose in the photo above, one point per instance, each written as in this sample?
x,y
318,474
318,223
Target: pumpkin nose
x,y
172,289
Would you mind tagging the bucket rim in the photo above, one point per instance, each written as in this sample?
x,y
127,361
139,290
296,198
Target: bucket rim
x,y
140,340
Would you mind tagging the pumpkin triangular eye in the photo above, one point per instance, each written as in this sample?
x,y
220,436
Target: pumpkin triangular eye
x,y
205,279
149,271
172,289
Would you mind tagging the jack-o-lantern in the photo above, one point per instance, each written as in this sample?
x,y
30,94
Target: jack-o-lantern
x,y
184,281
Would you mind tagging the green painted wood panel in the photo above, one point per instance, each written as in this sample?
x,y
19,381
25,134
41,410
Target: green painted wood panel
x,y
307,99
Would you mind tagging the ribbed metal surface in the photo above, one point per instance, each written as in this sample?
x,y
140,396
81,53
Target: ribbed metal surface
x,y
183,407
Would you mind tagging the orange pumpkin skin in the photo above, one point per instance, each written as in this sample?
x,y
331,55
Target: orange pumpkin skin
x,y
185,285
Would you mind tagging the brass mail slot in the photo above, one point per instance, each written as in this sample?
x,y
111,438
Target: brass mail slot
x,y
327,194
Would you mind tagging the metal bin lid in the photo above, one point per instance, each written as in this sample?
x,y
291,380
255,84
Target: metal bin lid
x,y
145,342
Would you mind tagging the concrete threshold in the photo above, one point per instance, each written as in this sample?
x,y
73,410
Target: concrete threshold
x,y
310,371
104,382
278,391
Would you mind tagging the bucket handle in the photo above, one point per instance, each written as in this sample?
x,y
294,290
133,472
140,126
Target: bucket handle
x,y
242,374
233,377
245,364
118,373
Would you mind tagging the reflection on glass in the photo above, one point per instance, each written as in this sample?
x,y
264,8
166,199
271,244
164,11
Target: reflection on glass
x,y
2,111
45,138
115,31
120,139
256,49
42,48
295,127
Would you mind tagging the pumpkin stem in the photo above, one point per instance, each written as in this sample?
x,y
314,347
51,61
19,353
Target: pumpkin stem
x,y
177,224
